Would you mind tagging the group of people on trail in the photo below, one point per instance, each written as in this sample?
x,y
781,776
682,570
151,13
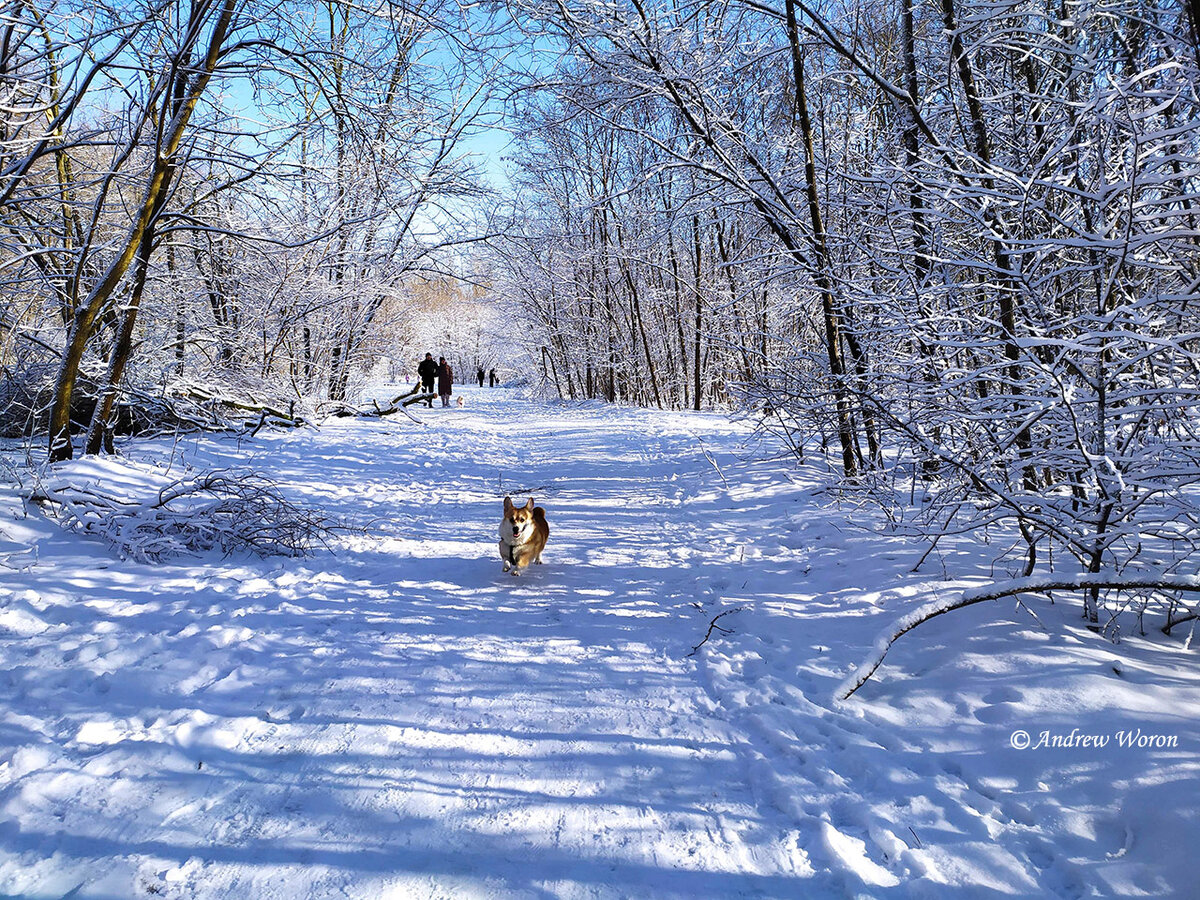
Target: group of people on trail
x,y
428,371
492,379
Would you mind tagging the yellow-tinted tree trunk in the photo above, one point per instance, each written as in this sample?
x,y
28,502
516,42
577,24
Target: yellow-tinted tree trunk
x,y
156,188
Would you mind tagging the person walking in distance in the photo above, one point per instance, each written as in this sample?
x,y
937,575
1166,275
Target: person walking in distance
x,y
492,378
427,371
445,377
479,375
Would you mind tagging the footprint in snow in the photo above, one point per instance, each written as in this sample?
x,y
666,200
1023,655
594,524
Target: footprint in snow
x,y
1002,695
995,715
851,852
283,713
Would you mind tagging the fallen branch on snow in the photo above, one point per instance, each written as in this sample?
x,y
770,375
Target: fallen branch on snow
x,y
224,510
212,398
713,626
397,404
1033,585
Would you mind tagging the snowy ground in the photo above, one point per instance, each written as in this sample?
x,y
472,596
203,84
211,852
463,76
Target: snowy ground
x,y
394,717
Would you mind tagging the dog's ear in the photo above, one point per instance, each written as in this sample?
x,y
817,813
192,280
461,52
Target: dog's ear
x,y
508,505
529,505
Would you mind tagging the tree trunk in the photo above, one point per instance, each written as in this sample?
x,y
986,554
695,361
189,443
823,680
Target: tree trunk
x,y
87,313
1193,15
1006,296
99,436
833,338
922,261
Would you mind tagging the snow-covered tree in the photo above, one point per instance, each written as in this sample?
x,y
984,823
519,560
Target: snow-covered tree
x,y
972,229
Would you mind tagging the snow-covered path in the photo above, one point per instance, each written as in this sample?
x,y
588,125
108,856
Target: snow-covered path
x,y
398,718
394,717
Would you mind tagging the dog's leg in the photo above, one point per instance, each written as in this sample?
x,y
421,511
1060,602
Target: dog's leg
x,y
520,560
504,557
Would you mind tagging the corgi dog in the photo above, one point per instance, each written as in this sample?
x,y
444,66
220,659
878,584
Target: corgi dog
x,y
461,402
523,534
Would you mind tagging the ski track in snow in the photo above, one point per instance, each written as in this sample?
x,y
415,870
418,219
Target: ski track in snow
x,y
394,717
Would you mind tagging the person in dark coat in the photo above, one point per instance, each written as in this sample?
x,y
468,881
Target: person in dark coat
x,y
492,378
426,371
479,375
445,377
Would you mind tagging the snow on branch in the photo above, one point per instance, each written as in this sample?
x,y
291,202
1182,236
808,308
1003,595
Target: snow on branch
x,y
219,403
1033,585
148,517
398,404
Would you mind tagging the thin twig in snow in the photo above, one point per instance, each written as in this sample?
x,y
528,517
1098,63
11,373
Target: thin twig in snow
x,y
713,626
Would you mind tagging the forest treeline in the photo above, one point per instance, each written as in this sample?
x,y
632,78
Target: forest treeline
x,y
952,243
207,196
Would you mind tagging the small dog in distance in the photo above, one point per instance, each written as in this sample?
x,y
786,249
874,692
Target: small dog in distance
x,y
523,534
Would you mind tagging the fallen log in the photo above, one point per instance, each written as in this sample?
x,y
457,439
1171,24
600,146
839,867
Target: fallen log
x,y
268,413
395,405
419,398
